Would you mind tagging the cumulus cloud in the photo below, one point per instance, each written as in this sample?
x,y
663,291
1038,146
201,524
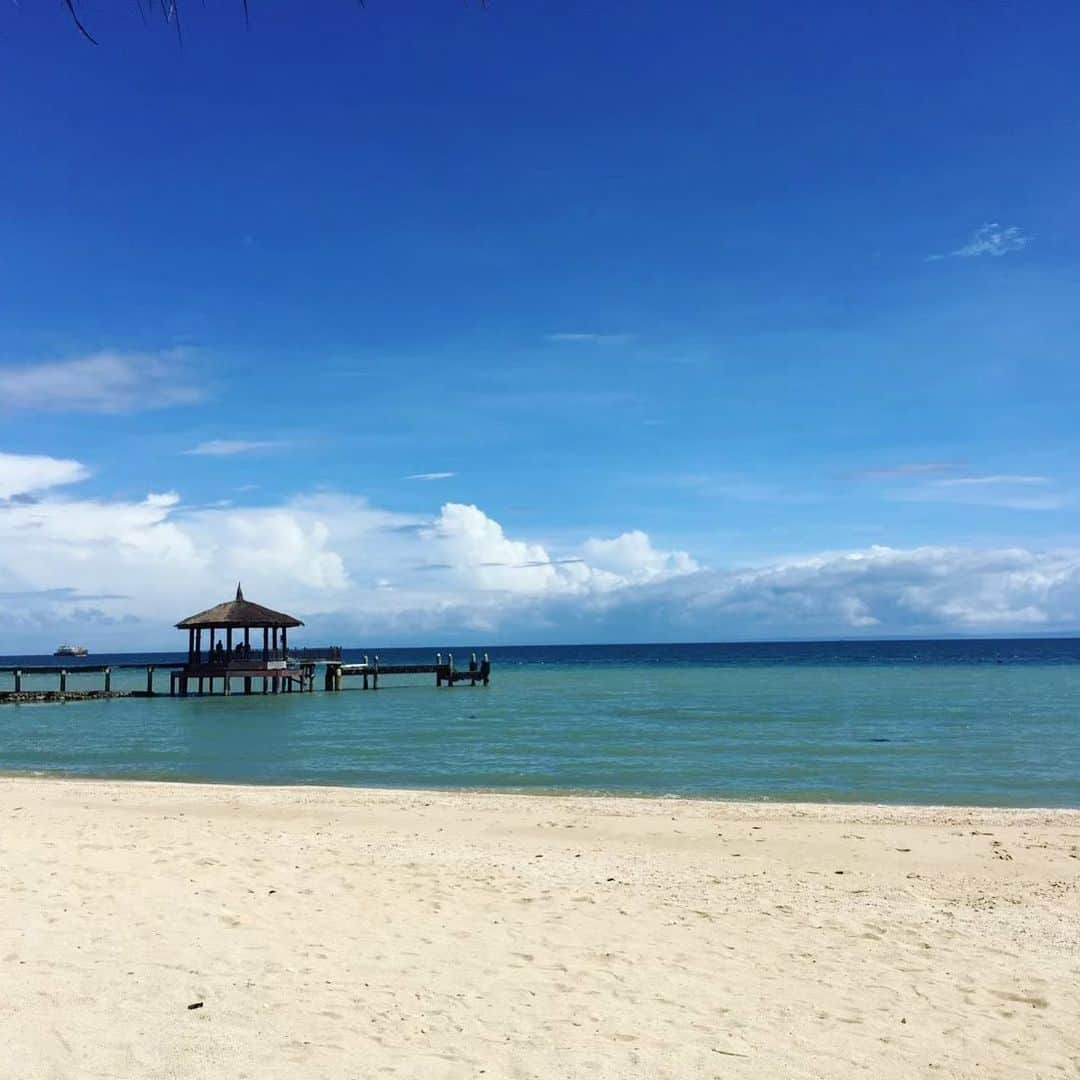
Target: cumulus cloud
x,y
632,557
364,575
229,447
917,590
105,382
334,559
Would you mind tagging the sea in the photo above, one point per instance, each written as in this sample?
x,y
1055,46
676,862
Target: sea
x,y
951,722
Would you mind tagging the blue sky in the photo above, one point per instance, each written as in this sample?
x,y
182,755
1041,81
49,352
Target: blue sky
x,y
780,306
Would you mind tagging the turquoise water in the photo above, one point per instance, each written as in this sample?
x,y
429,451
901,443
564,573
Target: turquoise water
x,y
928,725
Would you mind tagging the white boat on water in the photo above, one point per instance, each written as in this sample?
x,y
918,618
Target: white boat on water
x,y
71,650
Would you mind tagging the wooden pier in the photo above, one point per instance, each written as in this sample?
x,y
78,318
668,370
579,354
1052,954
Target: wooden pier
x,y
62,693
231,656
445,673
211,678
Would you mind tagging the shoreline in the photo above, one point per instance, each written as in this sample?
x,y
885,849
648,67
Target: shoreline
x,y
794,805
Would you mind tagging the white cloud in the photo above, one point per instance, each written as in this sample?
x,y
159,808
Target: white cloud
x,y
997,479
25,474
989,239
333,558
105,382
912,469
1004,490
923,590
590,338
992,239
363,575
430,476
633,558
228,447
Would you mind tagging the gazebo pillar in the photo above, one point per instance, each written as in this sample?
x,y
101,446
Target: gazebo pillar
x,y
191,646
266,635
198,645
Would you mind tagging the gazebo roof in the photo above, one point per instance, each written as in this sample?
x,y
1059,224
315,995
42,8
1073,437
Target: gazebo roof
x,y
238,612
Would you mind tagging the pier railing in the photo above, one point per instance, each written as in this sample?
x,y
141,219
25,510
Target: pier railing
x,y
370,670
326,652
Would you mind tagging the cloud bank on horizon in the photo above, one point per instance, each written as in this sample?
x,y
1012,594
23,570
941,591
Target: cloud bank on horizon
x,y
120,572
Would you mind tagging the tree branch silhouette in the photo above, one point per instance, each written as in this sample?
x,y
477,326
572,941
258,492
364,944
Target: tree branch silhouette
x,y
169,10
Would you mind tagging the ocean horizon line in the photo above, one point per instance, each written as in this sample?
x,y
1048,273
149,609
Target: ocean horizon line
x,y
481,644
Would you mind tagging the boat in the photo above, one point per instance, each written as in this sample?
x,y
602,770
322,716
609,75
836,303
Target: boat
x,y
71,650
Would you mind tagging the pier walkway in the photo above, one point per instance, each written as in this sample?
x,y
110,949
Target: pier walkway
x,y
276,674
445,673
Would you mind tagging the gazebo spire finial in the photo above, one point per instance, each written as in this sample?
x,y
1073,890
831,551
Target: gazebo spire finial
x,y
239,592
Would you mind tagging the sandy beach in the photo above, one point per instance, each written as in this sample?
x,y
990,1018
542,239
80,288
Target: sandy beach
x,y
354,933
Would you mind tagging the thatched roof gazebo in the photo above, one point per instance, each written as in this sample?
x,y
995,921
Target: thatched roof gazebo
x,y
223,658
238,613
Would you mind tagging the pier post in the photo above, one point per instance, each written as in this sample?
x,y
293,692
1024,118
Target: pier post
x,y
18,681
201,684
108,680
247,684
438,669
375,676
450,665
63,681
150,680
184,684
226,684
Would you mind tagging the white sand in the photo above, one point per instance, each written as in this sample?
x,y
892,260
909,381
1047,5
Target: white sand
x,y
339,933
